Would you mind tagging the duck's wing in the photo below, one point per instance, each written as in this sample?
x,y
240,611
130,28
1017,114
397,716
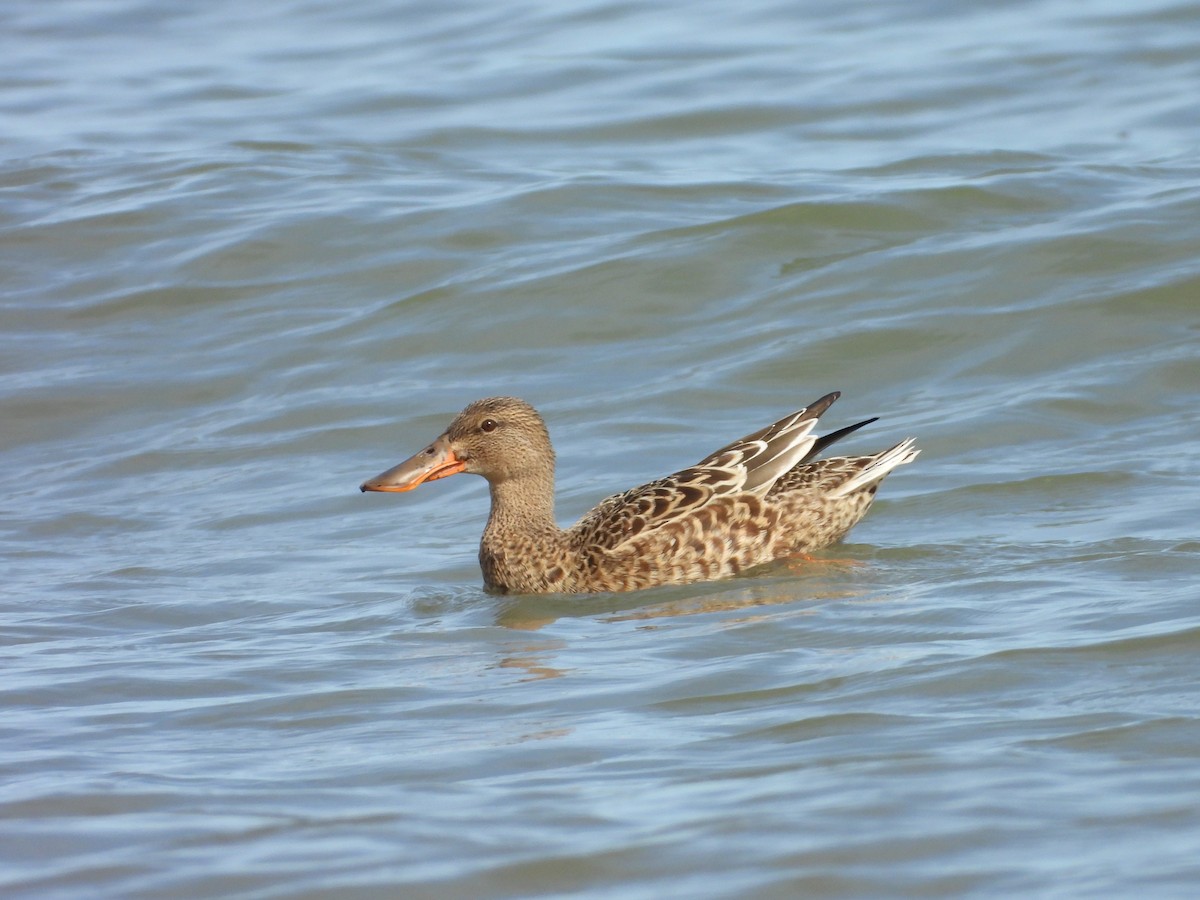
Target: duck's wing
x,y
769,452
750,465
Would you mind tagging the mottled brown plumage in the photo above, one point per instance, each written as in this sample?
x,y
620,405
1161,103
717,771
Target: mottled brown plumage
x,y
763,497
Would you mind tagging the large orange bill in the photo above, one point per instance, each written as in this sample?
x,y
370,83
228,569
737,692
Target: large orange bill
x,y
435,461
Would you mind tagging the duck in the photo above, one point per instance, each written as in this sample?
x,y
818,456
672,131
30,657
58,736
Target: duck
x,y
762,498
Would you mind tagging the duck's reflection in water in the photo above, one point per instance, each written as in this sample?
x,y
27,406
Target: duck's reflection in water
x,y
822,580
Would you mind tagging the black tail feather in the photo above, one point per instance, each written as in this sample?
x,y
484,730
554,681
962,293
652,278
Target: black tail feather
x,y
833,437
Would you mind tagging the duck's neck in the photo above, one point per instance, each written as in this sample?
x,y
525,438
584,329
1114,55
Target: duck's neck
x,y
521,538
523,505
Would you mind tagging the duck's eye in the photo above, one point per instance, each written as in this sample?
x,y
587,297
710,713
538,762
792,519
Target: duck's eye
x,y
488,425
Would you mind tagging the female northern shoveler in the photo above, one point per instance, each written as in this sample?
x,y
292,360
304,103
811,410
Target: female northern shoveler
x,y
762,498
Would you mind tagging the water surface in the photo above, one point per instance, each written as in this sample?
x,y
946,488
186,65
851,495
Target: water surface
x,y
252,255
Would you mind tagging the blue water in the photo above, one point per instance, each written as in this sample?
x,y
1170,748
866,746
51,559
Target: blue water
x,y
253,255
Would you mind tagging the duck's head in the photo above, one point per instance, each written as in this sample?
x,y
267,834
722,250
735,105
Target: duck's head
x,y
500,438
